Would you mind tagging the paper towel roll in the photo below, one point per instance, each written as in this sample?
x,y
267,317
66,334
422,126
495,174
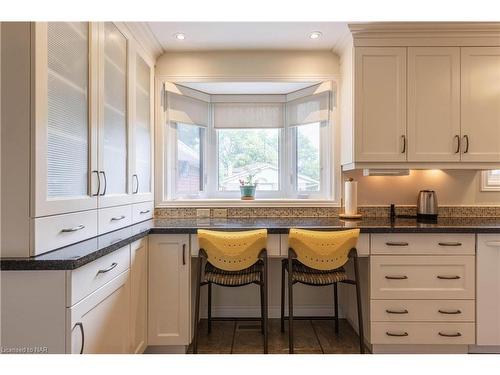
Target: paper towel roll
x,y
351,197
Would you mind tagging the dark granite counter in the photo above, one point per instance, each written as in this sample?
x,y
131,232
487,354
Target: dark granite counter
x,y
79,254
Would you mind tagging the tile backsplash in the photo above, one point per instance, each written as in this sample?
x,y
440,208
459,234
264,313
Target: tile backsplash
x,y
366,211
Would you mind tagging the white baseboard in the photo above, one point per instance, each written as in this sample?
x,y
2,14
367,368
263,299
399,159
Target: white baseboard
x,y
419,349
484,349
166,349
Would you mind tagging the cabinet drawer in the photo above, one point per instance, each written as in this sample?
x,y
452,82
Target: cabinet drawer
x,y
422,333
113,218
363,245
422,277
273,245
422,310
53,232
86,279
423,244
142,211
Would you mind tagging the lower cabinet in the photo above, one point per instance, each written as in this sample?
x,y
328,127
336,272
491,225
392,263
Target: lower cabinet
x,y
169,312
138,295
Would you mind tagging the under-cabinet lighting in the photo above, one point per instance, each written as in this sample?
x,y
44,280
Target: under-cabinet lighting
x,y
386,172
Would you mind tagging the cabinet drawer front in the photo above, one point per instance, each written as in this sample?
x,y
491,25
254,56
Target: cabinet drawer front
x,y
423,244
142,211
422,277
90,277
422,310
363,245
114,218
422,333
273,245
57,231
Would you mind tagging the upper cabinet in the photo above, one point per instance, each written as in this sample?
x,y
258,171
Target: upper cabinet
x,y
433,104
481,104
380,104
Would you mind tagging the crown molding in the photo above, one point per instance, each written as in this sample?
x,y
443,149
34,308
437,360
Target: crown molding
x,y
145,38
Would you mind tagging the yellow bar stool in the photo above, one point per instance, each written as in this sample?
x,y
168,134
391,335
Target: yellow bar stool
x,y
317,258
232,259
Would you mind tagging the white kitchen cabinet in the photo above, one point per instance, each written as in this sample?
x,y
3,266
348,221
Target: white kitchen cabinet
x,y
480,103
169,312
488,290
380,104
138,295
141,129
99,324
434,104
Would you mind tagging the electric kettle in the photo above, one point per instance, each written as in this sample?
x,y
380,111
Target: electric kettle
x,y
427,205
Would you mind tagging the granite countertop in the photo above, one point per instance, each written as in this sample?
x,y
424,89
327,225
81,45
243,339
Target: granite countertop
x,y
77,255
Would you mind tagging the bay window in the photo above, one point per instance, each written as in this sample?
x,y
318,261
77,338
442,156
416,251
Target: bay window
x,y
282,142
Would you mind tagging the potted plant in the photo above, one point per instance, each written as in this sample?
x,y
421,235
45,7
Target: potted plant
x,y
247,188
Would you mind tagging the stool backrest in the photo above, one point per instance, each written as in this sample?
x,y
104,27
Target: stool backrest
x,y
232,251
322,250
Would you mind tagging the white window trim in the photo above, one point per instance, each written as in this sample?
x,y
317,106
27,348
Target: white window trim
x,y
162,159
486,184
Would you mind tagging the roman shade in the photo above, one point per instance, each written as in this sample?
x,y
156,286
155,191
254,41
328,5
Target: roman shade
x,y
187,110
248,115
309,109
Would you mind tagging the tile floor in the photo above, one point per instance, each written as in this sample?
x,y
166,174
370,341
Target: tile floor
x,y
244,337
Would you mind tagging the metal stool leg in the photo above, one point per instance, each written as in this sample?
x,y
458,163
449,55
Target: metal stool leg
x,y
282,298
262,305
209,312
290,308
265,311
197,307
360,313
336,307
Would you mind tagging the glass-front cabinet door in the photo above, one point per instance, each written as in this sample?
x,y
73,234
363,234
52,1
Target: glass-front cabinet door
x,y
113,117
64,155
142,132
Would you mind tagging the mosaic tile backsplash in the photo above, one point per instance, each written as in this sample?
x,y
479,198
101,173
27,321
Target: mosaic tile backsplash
x,y
366,211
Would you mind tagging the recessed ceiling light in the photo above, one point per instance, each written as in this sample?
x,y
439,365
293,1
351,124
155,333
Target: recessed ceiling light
x,y
315,35
180,36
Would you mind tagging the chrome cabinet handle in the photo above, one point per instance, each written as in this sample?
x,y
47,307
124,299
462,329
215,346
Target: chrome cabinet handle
x,y
74,229
117,218
137,184
144,212
457,137
466,138
448,277
396,277
397,243
113,265
98,183
392,334
80,324
399,312
458,334
449,312
449,243
105,182
403,137
183,254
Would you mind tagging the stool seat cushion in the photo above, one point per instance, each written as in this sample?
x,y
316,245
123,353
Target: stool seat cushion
x,y
252,274
310,276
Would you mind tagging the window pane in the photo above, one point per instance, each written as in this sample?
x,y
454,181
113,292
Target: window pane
x,y
494,177
189,159
244,152
308,157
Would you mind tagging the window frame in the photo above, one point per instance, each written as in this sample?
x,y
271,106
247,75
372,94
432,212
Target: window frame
x,y
487,184
163,161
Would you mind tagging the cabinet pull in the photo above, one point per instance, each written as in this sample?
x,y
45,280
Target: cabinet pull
x,y
98,183
396,277
493,243
183,254
449,243
397,243
144,212
117,218
137,184
113,265
457,334
448,277
466,138
399,312
80,324
392,334
457,137
74,229
105,182
449,312
403,137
